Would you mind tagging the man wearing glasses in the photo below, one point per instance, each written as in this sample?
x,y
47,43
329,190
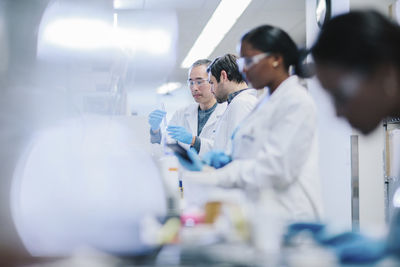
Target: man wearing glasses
x,y
194,125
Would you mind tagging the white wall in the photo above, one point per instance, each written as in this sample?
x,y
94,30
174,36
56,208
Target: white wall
x,y
380,5
144,100
334,138
372,212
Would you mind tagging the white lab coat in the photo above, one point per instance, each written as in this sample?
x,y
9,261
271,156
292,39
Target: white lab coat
x,y
237,110
188,118
275,149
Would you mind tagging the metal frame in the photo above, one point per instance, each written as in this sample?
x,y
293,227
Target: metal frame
x,y
355,189
390,182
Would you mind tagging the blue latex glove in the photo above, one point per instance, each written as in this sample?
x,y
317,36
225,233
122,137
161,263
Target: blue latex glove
x,y
155,119
295,228
350,247
195,165
353,247
180,134
216,158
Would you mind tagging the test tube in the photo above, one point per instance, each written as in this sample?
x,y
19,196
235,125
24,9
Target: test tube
x,y
181,187
164,133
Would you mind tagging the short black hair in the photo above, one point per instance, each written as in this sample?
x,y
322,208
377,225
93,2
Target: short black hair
x,y
227,63
358,40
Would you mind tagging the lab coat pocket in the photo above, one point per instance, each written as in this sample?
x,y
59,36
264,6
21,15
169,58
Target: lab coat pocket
x,y
246,144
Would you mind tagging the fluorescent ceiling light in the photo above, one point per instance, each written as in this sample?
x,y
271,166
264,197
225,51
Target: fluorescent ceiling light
x,y
168,87
128,4
115,21
321,10
89,34
224,17
78,33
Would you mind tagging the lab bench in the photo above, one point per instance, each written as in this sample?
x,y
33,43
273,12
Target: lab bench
x,y
242,255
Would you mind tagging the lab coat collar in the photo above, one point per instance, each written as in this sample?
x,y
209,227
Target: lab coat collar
x,y
290,82
281,89
192,121
231,96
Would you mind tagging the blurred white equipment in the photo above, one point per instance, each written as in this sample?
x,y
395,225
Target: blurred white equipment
x,y
85,183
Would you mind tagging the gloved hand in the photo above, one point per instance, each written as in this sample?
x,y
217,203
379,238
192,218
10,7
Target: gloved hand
x,y
216,158
155,119
195,165
349,247
360,249
180,134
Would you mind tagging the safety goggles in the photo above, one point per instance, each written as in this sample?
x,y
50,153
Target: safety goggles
x,y
347,88
198,82
248,62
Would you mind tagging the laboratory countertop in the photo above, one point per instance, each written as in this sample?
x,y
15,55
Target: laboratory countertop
x,y
214,255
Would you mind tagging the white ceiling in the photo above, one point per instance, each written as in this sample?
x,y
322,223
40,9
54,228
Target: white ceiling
x,y
192,16
287,14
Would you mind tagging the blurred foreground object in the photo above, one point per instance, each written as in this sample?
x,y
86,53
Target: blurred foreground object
x,y
83,184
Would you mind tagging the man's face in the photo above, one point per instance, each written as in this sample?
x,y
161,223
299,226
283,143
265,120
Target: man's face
x,y
217,88
199,85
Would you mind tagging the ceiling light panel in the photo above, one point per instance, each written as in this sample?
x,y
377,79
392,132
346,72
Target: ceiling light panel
x,y
224,17
158,4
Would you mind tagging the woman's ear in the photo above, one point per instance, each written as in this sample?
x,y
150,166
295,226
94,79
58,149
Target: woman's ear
x,y
277,61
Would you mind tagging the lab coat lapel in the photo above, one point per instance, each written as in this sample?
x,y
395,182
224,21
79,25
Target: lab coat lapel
x,y
215,115
281,92
271,101
192,118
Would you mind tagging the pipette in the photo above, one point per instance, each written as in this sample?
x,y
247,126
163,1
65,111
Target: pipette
x,y
164,134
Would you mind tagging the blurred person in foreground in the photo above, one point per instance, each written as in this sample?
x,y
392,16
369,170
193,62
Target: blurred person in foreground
x,y
357,57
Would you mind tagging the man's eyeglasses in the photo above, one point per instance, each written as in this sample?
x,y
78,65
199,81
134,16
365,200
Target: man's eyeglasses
x,y
248,62
198,82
